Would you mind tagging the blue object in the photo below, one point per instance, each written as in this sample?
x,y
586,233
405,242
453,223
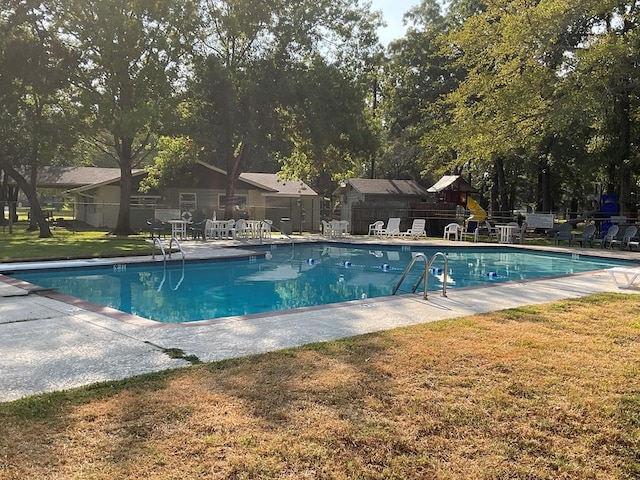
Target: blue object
x,y
203,290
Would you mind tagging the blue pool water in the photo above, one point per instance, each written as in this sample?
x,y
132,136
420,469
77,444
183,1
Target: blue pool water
x,y
289,277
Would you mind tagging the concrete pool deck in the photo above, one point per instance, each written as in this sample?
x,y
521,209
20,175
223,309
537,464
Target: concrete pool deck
x,y
51,344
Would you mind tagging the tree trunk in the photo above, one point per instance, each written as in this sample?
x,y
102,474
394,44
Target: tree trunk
x,y
36,210
624,149
234,163
4,189
123,225
501,183
544,185
33,181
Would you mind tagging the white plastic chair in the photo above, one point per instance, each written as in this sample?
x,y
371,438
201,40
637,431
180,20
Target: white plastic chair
x,y
417,229
375,228
452,229
393,227
266,228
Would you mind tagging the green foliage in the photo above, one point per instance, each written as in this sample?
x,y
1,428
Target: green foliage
x,y
519,93
282,81
173,156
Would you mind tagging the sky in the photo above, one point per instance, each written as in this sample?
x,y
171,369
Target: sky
x,y
392,12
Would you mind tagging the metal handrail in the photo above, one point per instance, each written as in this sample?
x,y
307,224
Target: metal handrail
x,y
179,247
407,270
445,272
153,249
424,277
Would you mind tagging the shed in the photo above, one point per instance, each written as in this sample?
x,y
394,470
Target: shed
x,y
364,200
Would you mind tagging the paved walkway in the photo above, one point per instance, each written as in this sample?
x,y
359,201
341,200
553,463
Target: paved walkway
x,y
49,345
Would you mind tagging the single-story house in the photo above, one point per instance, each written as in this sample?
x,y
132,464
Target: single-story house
x,y
95,194
364,200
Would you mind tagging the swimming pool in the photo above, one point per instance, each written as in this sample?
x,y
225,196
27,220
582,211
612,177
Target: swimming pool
x,y
286,277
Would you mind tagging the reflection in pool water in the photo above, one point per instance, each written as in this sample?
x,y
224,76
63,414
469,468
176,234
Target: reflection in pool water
x,y
288,277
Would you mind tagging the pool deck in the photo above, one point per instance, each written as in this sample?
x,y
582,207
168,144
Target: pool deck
x,y
50,342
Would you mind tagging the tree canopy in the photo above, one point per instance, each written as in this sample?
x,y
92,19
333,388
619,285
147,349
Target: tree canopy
x,y
536,101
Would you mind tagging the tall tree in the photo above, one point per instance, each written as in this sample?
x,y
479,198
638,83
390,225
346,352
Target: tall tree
x,y
131,64
418,75
37,116
508,107
247,96
606,72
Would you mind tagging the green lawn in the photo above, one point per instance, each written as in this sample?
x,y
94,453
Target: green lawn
x,y
24,246
542,392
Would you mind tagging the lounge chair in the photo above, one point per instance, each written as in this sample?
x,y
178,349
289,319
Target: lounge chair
x,y
393,227
564,233
198,230
630,232
326,229
588,233
417,229
375,228
452,229
608,237
242,229
471,230
521,233
491,230
156,227
624,276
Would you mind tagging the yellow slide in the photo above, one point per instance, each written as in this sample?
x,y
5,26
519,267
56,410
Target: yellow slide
x,y
477,212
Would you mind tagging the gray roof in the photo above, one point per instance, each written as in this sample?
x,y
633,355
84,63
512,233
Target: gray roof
x,y
387,187
278,187
72,177
82,178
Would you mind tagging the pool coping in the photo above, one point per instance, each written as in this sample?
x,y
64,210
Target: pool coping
x,y
52,344
242,251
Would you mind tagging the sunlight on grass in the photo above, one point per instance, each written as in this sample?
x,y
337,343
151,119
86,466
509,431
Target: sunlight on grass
x,y
541,392
25,246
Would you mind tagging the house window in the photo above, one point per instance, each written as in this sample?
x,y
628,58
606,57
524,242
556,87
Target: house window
x,y
239,200
187,201
138,201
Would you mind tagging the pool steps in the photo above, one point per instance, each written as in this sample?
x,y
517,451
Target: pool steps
x,y
423,277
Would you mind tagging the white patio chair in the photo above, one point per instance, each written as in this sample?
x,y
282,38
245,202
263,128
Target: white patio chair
x,y
393,227
452,229
417,229
266,228
375,228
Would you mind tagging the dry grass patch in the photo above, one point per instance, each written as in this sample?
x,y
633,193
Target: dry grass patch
x,y
545,392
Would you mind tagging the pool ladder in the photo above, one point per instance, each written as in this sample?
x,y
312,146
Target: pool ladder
x,y
164,257
156,241
424,277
